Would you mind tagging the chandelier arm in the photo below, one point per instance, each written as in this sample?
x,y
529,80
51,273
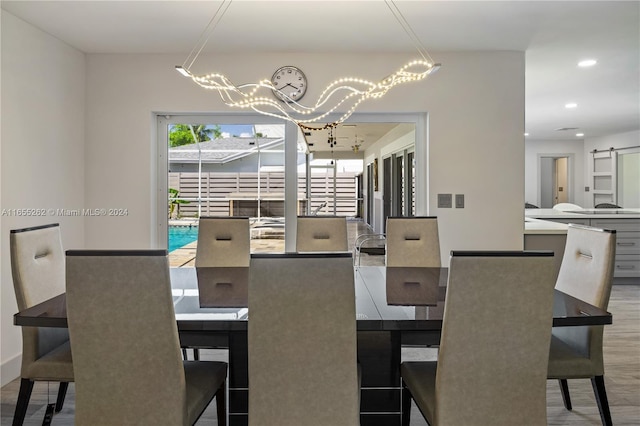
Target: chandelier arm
x,y
408,30
347,92
206,34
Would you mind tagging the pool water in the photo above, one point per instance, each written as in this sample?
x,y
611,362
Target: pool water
x,y
180,236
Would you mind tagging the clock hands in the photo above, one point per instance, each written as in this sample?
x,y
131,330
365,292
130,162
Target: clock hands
x,y
292,94
289,84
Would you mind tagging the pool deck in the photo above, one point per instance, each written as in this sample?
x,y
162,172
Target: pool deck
x,y
186,255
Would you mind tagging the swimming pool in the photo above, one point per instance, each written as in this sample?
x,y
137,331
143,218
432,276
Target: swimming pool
x,y
180,236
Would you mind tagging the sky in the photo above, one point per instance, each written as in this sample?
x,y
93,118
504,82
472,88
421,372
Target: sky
x,y
241,130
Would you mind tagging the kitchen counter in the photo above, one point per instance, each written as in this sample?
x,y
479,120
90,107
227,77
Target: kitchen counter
x,y
552,214
543,227
546,235
538,226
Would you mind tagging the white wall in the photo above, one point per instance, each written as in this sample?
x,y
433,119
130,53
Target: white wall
x,y
580,150
475,103
534,149
43,93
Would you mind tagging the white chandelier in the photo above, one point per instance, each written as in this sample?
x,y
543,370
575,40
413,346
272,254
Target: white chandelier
x,y
344,93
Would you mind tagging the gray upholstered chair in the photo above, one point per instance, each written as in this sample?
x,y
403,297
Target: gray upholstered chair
x,y
321,233
413,242
37,266
222,261
586,272
124,338
302,340
496,328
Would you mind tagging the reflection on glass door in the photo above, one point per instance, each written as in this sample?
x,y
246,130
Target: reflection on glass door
x,y
399,184
329,187
411,179
370,192
386,191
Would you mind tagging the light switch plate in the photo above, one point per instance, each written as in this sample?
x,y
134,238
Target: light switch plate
x,y
459,201
444,201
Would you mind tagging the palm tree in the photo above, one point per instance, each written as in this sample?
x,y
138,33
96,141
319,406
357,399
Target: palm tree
x,y
174,202
187,134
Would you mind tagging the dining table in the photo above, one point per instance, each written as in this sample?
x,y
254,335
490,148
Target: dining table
x,y
395,308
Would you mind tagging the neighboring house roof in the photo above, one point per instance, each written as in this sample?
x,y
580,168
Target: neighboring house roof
x,y
221,150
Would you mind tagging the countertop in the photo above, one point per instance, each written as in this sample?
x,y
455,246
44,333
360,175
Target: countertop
x,y
584,214
543,227
534,222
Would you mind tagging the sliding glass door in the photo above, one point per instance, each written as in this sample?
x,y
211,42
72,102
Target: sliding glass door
x,y
221,166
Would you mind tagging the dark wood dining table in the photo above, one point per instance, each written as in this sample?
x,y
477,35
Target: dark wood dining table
x,y
394,308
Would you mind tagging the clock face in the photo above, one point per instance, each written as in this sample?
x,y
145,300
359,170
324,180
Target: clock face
x,y
291,81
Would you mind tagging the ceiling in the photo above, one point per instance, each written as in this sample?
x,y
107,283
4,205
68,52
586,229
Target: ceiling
x,y
347,136
556,35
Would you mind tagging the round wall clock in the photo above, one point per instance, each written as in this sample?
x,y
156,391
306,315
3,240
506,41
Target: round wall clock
x,y
291,81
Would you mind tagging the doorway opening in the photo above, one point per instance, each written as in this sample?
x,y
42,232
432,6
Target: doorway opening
x,y
280,158
555,185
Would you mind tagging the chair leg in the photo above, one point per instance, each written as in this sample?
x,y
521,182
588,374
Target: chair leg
x,y
601,398
564,389
62,393
406,405
221,404
26,386
196,354
184,354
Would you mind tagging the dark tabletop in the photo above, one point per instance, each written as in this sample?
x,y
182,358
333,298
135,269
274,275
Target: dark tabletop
x,y
411,299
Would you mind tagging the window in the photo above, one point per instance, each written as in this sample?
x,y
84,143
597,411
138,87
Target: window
x,y
216,166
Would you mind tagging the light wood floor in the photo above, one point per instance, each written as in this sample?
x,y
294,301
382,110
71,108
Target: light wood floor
x,y
622,374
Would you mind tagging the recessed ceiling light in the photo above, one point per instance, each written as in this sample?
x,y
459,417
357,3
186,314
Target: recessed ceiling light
x,y
571,105
526,134
579,135
587,63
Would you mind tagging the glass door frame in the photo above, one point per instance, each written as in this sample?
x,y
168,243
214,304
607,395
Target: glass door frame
x,y
159,196
159,153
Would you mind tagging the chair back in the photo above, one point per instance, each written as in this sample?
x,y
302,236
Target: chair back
x,y
37,267
413,242
124,338
321,233
222,261
566,207
37,264
496,331
302,340
587,267
223,242
607,206
586,273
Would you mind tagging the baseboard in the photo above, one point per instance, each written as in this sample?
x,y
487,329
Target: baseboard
x,y
10,370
